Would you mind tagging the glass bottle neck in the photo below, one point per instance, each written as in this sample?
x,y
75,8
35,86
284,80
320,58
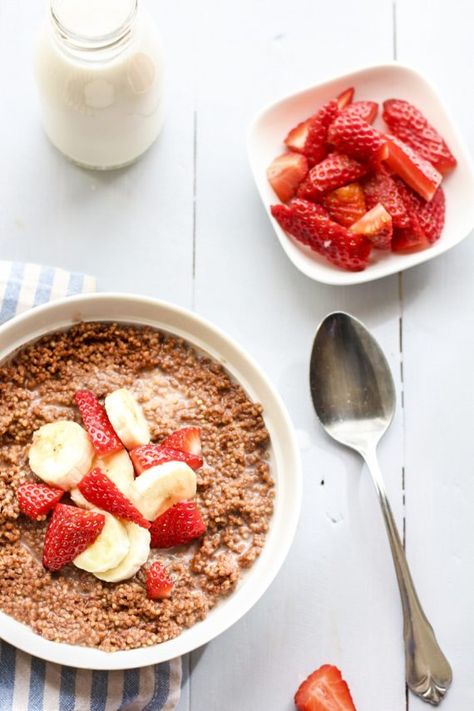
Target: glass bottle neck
x,y
92,29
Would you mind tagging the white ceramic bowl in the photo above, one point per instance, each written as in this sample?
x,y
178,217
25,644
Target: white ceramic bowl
x,y
265,142
284,460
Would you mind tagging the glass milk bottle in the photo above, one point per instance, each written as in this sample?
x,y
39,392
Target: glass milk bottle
x,y
99,69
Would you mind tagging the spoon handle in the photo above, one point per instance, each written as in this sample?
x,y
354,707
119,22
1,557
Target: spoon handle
x,y
428,673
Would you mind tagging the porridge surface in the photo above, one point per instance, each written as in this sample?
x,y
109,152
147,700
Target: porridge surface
x,y
177,387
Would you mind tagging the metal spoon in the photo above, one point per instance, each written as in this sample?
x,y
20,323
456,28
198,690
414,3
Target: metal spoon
x,y
354,398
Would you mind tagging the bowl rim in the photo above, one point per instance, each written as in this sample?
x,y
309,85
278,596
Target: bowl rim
x,y
286,462
322,273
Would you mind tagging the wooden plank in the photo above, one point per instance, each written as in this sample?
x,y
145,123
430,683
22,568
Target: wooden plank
x,y
438,355
336,598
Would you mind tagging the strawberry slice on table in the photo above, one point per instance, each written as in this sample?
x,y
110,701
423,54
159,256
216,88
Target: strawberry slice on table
x,y
408,123
286,173
179,525
345,98
37,500
187,439
103,436
70,531
333,172
376,225
324,690
366,110
351,135
158,583
150,455
97,488
310,224
414,170
346,205
310,136
382,188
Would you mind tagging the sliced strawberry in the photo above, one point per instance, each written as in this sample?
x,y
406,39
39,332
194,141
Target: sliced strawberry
x,y
417,172
150,455
376,225
346,205
286,173
381,187
333,172
357,138
97,424
97,488
158,583
411,126
366,110
310,224
345,98
36,500
324,690
187,439
180,524
431,216
405,240
70,531
309,137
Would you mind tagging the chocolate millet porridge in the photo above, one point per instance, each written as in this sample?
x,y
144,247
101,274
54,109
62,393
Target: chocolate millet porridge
x,y
176,387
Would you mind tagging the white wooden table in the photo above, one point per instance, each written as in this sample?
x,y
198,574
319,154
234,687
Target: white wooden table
x,y
185,224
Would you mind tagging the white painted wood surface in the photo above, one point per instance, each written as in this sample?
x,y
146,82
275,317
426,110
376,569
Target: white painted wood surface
x,y
185,224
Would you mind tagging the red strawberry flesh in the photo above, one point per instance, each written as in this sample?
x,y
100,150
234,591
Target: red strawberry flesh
x,y
414,170
97,424
151,455
357,138
70,531
333,172
37,500
179,525
346,205
324,690
286,173
376,225
382,188
187,439
411,126
345,98
310,224
97,488
158,583
366,110
310,136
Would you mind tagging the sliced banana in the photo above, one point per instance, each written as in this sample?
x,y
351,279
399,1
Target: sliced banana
x,y
162,486
139,539
80,500
61,453
127,418
109,548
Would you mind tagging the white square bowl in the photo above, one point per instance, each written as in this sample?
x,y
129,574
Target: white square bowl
x,y
265,142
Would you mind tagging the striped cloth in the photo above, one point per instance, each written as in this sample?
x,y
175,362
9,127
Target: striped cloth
x,y
31,684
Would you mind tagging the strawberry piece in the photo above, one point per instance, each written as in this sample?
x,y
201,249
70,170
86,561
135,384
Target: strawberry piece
x,y
310,136
97,488
97,424
346,205
333,172
150,455
310,224
345,98
366,110
411,238
37,500
376,225
431,216
70,531
286,173
411,126
357,138
158,583
414,170
179,524
324,690
382,188
407,241
187,439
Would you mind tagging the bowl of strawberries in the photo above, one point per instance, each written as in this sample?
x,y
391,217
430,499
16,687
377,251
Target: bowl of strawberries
x,y
364,175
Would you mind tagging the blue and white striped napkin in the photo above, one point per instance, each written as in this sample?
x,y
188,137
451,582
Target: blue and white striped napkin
x,y
31,684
